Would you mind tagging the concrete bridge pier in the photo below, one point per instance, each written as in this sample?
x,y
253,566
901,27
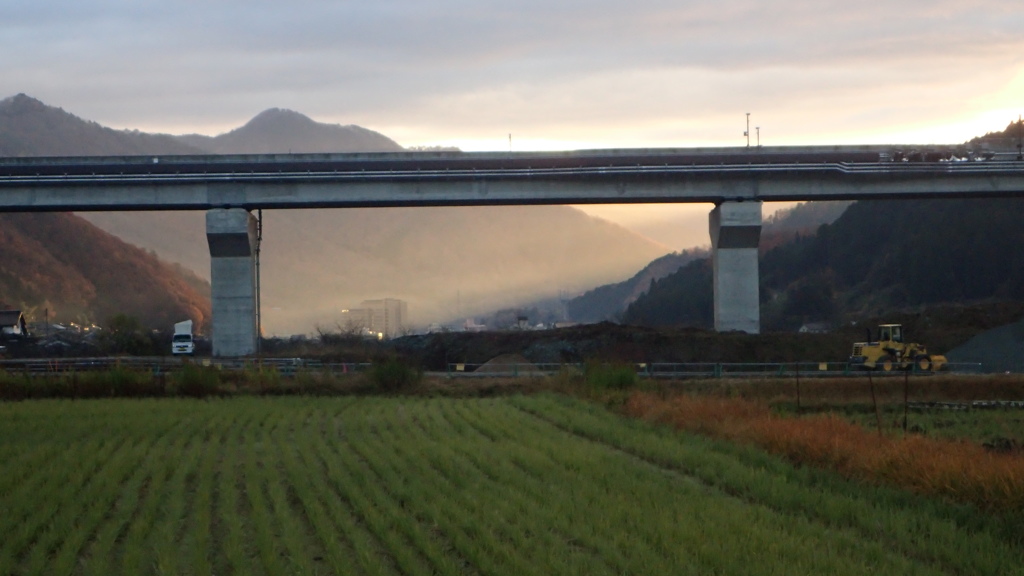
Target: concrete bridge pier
x,y
231,233
735,235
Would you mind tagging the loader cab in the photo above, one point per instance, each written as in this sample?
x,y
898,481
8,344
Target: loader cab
x,y
890,333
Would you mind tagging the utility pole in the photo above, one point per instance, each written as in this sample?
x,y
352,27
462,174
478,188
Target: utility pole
x,y
1020,140
758,129
747,131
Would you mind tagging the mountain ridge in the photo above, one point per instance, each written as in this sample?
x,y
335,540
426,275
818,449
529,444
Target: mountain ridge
x,y
279,130
879,258
610,301
29,127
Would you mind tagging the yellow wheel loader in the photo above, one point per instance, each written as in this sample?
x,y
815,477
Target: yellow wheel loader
x,y
890,352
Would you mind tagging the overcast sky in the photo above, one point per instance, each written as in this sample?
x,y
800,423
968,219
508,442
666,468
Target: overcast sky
x,y
553,73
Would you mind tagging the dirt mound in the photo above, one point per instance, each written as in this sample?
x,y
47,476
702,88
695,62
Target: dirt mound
x,y
510,363
998,350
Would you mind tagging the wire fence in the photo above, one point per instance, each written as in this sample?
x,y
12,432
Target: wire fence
x,y
677,370
168,364
291,366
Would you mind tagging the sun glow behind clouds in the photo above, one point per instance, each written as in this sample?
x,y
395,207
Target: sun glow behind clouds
x,y
781,129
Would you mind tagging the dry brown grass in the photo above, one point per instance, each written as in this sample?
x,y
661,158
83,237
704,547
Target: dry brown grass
x,y
955,470
824,392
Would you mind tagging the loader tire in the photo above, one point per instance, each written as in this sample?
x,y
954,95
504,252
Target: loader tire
x,y
924,363
885,363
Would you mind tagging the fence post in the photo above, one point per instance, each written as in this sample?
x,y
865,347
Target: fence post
x,y
874,402
906,380
798,407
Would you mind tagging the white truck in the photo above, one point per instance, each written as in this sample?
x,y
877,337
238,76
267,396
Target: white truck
x,y
181,342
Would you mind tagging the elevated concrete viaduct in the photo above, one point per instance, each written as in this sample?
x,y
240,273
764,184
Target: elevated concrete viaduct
x,y
736,180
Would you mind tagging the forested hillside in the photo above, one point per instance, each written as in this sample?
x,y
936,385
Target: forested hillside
x,y
608,302
77,272
1010,139
878,256
66,266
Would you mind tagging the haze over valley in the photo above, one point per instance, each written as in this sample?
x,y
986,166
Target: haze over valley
x,y
447,263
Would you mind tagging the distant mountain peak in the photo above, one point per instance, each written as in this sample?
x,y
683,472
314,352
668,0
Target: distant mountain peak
x,y
284,122
20,98
279,131
278,117
21,103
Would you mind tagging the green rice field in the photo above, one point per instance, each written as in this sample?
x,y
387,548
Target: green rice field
x,y
509,485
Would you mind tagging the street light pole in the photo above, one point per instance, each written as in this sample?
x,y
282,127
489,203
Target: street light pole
x,y
747,131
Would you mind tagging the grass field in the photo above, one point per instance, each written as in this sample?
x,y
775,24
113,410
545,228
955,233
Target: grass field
x,y
512,485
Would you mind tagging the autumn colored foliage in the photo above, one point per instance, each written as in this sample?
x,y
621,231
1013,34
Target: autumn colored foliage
x,y
77,272
955,470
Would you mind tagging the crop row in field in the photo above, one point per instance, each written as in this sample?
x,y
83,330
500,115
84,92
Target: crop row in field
x,y
514,485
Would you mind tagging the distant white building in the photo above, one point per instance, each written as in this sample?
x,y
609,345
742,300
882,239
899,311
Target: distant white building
x,y
470,325
12,324
815,328
384,318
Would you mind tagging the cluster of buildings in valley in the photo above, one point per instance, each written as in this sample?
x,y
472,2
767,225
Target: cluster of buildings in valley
x,y
381,319
387,318
56,339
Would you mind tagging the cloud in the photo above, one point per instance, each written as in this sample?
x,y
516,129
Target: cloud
x,y
553,73
648,72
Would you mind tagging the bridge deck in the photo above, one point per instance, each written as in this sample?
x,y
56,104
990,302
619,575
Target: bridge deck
x,y
452,178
